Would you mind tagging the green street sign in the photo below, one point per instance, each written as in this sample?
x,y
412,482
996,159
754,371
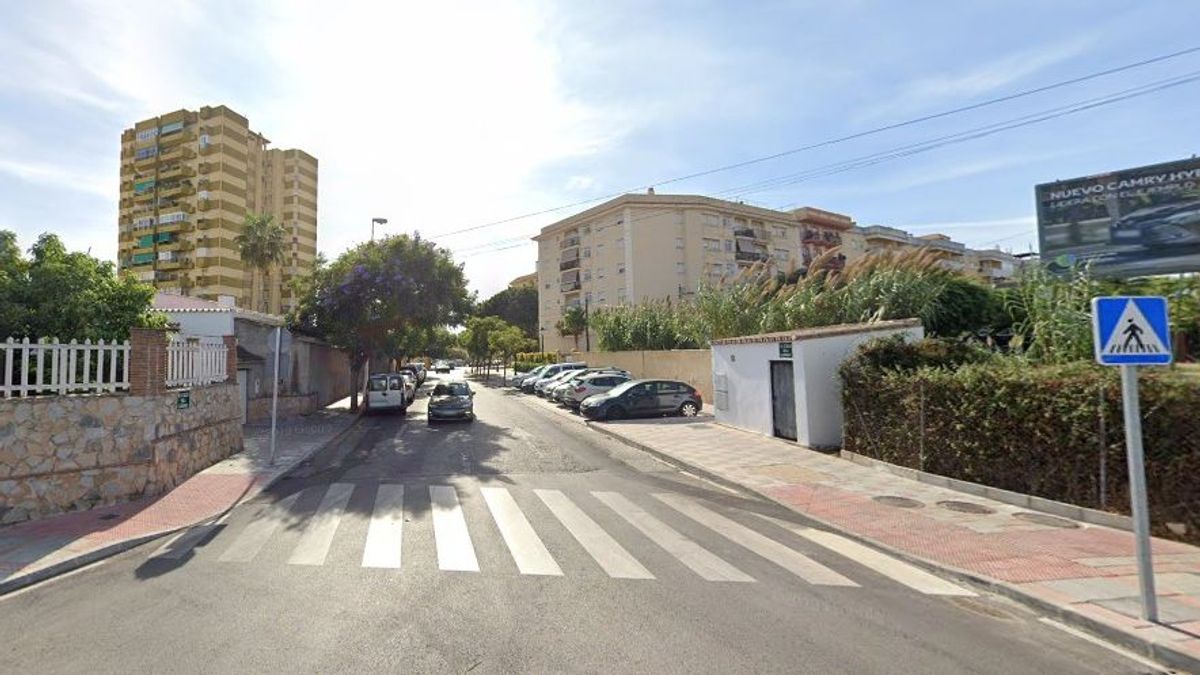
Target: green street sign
x,y
184,400
785,350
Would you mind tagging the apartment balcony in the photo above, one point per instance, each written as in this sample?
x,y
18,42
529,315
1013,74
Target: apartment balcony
x,y
176,171
177,190
170,139
176,154
177,226
145,164
751,256
749,233
569,242
821,238
569,286
875,233
571,264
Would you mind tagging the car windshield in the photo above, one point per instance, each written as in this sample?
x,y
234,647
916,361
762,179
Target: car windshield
x,y
623,387
452,389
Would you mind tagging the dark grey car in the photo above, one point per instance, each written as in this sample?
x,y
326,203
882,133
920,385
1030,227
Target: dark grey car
x,y
643,398
451,401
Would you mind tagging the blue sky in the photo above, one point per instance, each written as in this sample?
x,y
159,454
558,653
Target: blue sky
x,y
448,116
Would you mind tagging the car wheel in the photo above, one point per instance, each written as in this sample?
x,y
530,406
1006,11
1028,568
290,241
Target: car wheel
x,y
615,413
688,409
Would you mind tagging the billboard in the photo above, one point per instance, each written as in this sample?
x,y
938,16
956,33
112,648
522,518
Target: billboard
x,y
1132,222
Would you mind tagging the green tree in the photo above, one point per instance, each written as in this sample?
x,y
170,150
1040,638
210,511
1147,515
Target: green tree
x,y
572,324
506,342
68,295
378,293
477,340
260,246
517,306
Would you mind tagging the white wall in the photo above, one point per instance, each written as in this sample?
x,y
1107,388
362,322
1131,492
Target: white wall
x,y
818,387
205,324
747,371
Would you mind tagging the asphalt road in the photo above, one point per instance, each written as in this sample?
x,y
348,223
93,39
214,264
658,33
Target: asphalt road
x,y
591,557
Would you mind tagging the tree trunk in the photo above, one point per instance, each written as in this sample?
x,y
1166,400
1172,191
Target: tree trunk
x,y
355,373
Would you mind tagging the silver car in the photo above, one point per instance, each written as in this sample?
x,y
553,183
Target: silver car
x,y
559,390
590,385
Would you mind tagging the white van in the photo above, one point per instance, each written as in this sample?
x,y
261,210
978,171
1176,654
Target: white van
x,y
386,391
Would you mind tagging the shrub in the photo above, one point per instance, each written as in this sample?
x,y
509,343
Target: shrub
x,y
1045,430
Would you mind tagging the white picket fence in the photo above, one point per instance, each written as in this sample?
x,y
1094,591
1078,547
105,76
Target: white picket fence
x,y
195,361
50,367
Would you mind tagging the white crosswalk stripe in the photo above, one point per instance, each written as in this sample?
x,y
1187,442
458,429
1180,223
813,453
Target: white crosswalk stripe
x,y
318,533
792,561
688,552
385,533
896,570
526,547
256,534
608,554
454,549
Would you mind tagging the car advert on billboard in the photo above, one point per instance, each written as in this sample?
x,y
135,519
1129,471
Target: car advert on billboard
x,y
1133,222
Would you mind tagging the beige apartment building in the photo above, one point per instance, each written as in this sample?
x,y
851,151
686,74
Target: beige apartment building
x,y
188,180
993,265
640,247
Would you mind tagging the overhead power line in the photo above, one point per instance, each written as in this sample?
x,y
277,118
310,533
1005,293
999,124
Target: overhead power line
x,y
909,149
834,141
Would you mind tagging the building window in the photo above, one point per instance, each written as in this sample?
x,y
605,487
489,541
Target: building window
x,y
621,268
547,286
678,242
599,272
143,153
730,269
779,232
147,134
729,246
783,253
679,268
712,219
603,297
712,245
171,128
621,294
586,229
587,252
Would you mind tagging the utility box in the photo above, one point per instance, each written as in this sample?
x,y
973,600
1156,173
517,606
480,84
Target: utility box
x,y
786,384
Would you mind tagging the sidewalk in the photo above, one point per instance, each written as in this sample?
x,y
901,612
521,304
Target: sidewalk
x,y
40,549
1079,573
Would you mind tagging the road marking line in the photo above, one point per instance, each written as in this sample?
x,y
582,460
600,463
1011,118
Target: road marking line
x,y
688,552
180,546
454,549
610,555
792,561
318,533
385,533
526,547
256,534
892,568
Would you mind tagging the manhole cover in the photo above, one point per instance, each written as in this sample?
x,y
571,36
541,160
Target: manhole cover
x,y
966,507
109,516
1043,519
900,502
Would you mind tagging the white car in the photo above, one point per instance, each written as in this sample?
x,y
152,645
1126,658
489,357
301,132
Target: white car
x,y
590,385
558,390
410,385
387,391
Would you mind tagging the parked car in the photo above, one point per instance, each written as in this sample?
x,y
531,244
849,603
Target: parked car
x,y
410,385
519,378
386,391
551,370
451,400
590,385
441,367
643,398
542,386
558,390
417,370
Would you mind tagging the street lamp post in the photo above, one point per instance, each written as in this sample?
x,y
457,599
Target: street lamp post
x,y
381,221
542,332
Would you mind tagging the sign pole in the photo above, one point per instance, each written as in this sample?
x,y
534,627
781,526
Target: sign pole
x,y
1137,490
275,393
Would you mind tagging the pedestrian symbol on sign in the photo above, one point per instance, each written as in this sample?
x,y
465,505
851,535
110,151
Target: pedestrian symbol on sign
x,y
1131,331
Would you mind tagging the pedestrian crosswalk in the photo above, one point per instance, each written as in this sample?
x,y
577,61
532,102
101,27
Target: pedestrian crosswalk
x,y
470,524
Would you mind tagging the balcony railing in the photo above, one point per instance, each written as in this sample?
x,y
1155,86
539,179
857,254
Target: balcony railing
x,y
568,286
748,233
750,256
569,264
569,242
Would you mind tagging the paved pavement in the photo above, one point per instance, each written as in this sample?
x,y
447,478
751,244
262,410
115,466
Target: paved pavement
x,y
40,549
1076,571
522,542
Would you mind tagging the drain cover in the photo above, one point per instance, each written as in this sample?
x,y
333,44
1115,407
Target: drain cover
x,y
901,502
966,507
1043,519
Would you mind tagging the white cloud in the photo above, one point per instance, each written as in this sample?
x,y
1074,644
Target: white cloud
x,y
59,176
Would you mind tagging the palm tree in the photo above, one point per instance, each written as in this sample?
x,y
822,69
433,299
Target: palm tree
x,y
573,323
260,246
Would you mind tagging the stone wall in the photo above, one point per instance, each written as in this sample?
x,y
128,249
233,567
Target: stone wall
x,y
258,409
66,453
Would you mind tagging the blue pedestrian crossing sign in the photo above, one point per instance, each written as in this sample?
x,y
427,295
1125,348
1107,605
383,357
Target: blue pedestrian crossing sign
x,y
1131,331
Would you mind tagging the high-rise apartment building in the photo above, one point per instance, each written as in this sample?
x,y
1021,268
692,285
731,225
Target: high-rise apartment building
x,y
188,180
639,247
992,265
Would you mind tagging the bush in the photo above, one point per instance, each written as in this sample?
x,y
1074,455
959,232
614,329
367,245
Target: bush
x,y
896,353
1044,431
536,357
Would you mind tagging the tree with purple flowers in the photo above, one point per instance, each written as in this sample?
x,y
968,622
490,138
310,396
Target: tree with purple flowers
x,y
377,295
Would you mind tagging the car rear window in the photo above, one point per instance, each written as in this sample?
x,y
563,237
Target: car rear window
x,y
396,382
378,384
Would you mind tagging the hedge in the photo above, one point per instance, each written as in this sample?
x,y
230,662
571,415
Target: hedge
x,y
1045,431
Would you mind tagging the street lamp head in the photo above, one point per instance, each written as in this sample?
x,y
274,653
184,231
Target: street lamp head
x,y
381,221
